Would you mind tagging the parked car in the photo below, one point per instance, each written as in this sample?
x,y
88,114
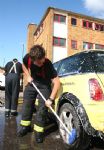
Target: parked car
x,y
2,81
80,100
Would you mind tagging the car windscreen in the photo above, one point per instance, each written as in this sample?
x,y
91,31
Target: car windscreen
x,y
56,65
98,59
70,65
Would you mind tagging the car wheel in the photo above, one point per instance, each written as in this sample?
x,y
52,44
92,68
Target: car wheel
x,y
70,118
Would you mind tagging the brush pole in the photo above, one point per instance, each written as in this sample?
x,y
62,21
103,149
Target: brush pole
x,y
51,109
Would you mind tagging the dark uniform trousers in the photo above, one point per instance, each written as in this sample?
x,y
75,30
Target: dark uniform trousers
x,y
30,95
12,87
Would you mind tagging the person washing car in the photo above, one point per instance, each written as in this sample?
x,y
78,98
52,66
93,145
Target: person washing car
x,y
43,75
13,70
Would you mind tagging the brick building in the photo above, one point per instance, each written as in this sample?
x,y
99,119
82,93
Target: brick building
x,y
63,33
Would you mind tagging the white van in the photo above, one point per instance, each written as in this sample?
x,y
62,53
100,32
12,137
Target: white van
x,y
2,81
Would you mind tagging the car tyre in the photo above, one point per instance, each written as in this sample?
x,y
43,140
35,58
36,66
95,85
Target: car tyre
x,y
69,117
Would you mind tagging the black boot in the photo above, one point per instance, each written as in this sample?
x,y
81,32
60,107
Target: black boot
x,y
7,114
23,130
39,137
14,113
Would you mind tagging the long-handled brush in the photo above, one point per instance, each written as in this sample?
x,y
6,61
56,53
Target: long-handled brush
x,y
71,134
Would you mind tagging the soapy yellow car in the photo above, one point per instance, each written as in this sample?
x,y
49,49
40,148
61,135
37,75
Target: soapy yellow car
x,y
80,100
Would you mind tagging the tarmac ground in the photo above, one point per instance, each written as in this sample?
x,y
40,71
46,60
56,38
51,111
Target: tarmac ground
x,y
10,141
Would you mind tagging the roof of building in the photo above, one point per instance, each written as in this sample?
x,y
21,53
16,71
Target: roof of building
x,y
69,13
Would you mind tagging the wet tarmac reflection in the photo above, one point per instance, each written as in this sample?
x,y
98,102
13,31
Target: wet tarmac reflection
x,y
10,141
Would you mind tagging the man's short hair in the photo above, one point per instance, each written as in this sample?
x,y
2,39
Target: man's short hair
x,y
37,52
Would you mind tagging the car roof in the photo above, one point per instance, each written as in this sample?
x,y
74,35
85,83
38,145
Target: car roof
x,y
91,50
82,52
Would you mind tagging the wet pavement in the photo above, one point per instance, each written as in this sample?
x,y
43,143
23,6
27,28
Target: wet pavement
x,y
10,141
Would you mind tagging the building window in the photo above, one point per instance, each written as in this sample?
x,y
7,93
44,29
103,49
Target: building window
x,y
73,21
59,41
87,24
59,18
73,44
84,24
90,25
99,27
87,45
39,31
99,46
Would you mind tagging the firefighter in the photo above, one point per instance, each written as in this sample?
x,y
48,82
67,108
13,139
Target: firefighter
x,y
13,70
42,74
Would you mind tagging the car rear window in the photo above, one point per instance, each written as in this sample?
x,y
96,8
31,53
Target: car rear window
x,y
98,60
86,63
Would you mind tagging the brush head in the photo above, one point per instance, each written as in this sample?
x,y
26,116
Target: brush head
x,y
72,136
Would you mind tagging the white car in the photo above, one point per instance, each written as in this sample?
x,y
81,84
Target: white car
x,y
2,81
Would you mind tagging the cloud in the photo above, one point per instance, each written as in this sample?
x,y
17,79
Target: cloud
x,y
96,7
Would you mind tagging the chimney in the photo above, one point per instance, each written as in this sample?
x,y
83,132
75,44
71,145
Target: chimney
x,y
30,36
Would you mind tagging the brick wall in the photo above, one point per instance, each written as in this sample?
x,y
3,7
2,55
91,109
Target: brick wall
x,y
44,35
81,35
